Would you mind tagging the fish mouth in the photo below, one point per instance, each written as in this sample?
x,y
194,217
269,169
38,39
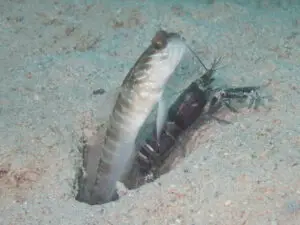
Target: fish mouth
x,y
174,35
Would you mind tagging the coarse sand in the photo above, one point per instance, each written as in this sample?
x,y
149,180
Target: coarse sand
x,y
54,54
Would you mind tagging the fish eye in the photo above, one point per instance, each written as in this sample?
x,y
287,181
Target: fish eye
x,y
160,39
158,44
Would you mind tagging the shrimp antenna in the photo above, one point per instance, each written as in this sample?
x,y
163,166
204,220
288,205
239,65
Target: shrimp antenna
x,y
196,56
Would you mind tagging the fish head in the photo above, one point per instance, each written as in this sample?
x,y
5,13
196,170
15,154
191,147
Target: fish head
x,y
167,51
157,63
161,39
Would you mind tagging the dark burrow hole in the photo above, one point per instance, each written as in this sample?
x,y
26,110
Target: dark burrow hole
x,y
152,159
150,163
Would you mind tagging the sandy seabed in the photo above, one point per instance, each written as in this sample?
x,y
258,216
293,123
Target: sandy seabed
x,y
55,53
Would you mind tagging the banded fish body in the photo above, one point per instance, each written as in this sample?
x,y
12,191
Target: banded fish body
x,y
140,91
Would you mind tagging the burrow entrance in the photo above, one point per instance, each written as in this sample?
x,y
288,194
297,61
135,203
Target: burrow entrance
x,y
150,163
152,157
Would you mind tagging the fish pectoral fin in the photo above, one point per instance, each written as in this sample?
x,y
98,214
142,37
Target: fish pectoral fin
x,y
161,118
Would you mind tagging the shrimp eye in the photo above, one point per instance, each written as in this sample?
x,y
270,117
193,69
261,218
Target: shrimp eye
x,y
223,94
213,101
